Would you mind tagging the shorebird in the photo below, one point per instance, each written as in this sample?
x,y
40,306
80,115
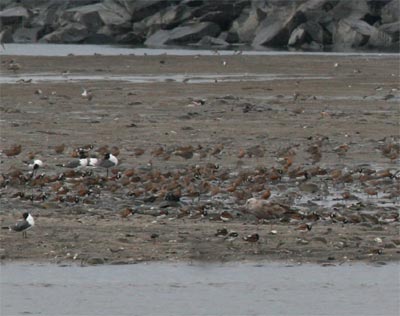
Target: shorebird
x,y
35,165
304,227
22,225
252,237
107,162
14,66
13,150
87,94
82,162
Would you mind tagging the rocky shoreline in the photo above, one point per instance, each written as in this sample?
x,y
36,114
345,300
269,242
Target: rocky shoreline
x,y
303,24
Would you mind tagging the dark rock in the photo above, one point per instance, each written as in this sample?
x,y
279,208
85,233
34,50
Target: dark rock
x,y
309,32
71,33
220,12
183,34
6,35
193,3
159,38
317,10
15,12
393,29
95,260
47,16
298,36
275,30
26,35
229,37
390,13
129,38
357,33
245,25
89,16
165,19
212,41
355,9
141,9
14,16
99,38
218,17
312,46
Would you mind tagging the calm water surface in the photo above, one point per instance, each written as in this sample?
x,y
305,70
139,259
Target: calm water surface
x,y
110,50
212,289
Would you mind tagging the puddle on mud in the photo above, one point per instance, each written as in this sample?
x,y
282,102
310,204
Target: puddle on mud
x,y
200,289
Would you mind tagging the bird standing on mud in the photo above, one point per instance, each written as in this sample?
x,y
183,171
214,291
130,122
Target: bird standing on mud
x,y
108,161
22,225
14,66
35,165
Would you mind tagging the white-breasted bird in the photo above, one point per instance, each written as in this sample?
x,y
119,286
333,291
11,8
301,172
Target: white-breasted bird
x,y
35,165
22,225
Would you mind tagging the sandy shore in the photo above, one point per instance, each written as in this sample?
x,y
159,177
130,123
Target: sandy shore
x,y
257,111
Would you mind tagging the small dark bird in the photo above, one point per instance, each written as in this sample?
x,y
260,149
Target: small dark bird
x,y
221,232
304,227
22,225
13,150
252,237
127,212
59,149
14,66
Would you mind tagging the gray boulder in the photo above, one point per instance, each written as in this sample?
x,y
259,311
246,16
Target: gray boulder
x,y
183,34
15,12
26,35
70,33
6,35
221,13
298,36
141,9
245,25
354,9
165,19
275,30
390,13
393,29
14,16
159,38
89,16
229,37
357,33
96,15
212,41
309,32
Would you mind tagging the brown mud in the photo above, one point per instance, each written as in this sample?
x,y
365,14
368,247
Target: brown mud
x,y
196,140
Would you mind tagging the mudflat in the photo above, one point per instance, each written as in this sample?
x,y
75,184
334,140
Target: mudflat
x,y
196,137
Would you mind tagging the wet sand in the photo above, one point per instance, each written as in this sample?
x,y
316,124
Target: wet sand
x,y
354,102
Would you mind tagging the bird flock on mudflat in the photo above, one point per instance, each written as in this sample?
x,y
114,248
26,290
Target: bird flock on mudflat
x,y
285,192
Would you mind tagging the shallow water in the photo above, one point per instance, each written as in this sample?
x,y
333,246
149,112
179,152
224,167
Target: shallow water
x,y
198,78
209,289
110,50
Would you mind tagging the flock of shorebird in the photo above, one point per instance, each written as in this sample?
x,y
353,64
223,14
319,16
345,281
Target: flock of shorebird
x,y
250,188
108,161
